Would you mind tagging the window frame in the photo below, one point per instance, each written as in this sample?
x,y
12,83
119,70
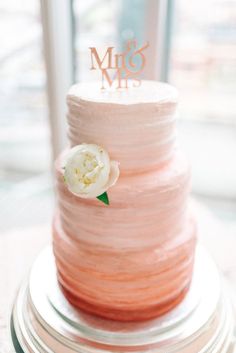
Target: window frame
x,y
57,22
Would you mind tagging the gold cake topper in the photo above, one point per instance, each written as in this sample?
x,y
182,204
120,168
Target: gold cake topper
x,y
120,67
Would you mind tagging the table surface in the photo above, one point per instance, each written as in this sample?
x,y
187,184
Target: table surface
x,y
18,249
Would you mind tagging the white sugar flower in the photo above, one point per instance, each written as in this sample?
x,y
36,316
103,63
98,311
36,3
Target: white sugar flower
x,y
89,172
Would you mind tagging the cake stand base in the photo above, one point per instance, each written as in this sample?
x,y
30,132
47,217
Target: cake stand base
x,y
43,320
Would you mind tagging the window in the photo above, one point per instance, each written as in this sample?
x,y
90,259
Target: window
x,y
24,132
203,67
203,63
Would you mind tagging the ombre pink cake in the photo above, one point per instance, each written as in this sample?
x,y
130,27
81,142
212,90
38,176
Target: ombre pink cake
x,y
131,260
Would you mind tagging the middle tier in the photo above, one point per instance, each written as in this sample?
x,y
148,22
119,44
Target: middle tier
x,y
144,209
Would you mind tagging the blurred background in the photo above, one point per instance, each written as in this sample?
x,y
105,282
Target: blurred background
x,y
44,49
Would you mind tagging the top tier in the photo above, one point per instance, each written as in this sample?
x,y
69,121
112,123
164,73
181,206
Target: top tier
x,y
136,125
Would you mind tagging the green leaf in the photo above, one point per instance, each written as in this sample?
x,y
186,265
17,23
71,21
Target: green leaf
x,y
104,198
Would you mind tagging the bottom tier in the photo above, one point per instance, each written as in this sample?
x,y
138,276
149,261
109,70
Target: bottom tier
x,y
44,321
125,284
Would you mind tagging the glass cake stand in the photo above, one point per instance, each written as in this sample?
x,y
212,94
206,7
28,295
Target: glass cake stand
x,y
43,321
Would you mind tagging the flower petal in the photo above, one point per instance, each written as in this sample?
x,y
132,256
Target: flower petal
x,y
114,174
88,171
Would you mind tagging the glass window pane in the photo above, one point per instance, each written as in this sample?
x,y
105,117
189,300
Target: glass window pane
x,y
24,131
203,67
204,58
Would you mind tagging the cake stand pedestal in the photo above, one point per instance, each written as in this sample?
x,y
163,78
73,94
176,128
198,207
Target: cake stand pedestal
x,y
43,321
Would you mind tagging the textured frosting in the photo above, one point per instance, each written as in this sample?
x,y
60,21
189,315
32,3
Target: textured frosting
x,y
136,126
132,260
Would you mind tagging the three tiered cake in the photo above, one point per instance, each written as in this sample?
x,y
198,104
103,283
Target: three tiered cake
x,y
132,259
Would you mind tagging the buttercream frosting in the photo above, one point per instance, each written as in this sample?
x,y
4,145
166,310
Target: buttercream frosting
x,y
133,259
136,126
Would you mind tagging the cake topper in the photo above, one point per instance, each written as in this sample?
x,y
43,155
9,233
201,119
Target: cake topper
x,y
120,68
